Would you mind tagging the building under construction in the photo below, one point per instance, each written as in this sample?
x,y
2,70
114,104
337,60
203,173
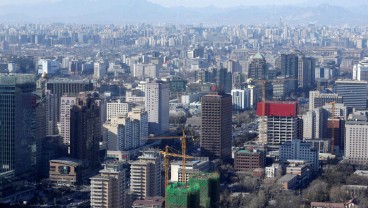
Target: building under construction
x,y
209,185
202,191
183,195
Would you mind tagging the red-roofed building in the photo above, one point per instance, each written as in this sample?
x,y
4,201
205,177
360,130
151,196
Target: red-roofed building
x,y
281,121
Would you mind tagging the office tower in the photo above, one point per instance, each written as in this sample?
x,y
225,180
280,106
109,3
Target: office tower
x,y
66,105
157,98
108,189
99,70
145,175
298,150
356,134
241,99
360,70
315,124
318,99
117,108
85,129
281,121
353,92
258,67
220,77
216,125
69,87
289,66
306,72
51,113
16,122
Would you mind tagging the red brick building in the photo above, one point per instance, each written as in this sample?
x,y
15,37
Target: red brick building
x,y
248,160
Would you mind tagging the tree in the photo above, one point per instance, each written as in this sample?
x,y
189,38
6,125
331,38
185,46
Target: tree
x,y
338,194
316,191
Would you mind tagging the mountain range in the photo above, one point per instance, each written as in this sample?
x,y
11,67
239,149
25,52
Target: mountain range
x,y
143,11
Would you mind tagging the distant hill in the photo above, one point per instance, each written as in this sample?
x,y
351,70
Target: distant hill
x,y
135,11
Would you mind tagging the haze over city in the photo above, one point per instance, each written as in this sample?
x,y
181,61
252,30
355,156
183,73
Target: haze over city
x,y
184,104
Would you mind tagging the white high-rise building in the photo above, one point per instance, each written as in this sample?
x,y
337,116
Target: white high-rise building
x,y
48,66
66,104
356,139
241,99
117,109
360,70
127,131
51,113
157,99
315,124
145,70
118,134
99,70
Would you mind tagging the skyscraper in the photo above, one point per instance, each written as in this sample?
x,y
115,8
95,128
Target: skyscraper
x,y
157,105
216,125
289,65
85,129
16,118
258,67
60,87
51,113
356,146
65,107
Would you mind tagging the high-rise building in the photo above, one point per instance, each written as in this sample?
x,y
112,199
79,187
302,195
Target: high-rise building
x,y
318,99
117,109
139,126
157,99
360,70
209,188
85,129
241,99
216,125
281,121
51,113
306,72
192,167
356,134
353,92
145,175
298,150
99,70
109,188
258,67
66,105
289,65
70,87
16,122
315,124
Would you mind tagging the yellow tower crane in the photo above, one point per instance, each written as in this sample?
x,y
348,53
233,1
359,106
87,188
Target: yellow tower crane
x,y
183,155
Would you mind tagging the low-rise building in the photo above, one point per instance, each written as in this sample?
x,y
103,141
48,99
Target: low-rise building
x,y
191,167
66,171
274,171
150,202
248,160
289,181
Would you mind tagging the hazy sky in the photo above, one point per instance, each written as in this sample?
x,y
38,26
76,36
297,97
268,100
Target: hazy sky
x,y
187,3
223,3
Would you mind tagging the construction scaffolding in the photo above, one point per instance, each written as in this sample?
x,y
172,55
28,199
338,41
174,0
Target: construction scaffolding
x,y
209,185
182,195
